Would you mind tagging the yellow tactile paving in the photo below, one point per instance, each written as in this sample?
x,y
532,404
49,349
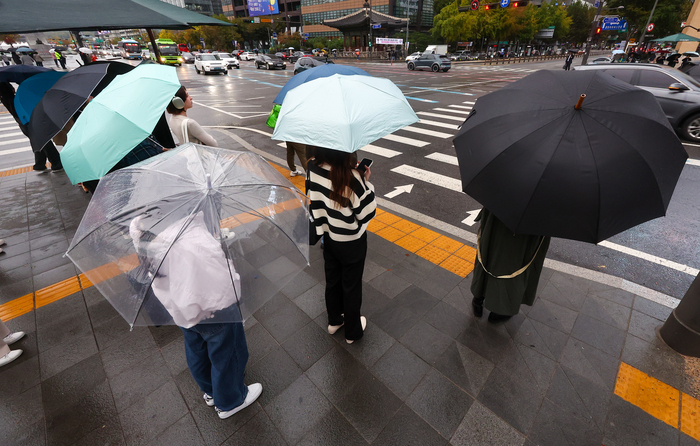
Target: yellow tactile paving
x,y
387,218
425,234
390,233
433,254
410,243
405,226
17,307
649,394
447,244
467,253
690,416
458,266
7,173
57,291
375,225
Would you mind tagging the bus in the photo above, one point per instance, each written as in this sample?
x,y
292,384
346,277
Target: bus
x,y
169,53
129,49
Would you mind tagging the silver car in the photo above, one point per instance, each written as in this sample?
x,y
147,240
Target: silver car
x,y
677,93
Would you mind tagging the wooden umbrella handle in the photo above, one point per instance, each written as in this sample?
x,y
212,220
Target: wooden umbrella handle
x,y
580,101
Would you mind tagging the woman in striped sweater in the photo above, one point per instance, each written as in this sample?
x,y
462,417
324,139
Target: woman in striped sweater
x,y
342,204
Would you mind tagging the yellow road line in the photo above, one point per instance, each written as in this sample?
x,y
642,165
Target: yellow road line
x,y
659,400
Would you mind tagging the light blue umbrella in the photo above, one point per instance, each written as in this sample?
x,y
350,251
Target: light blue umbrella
x,y
315,73
343,113
31,91
120,117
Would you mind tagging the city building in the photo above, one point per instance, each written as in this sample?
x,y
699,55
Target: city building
x,y
290,12
206,7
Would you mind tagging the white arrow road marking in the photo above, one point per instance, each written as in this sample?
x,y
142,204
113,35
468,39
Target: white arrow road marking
x,y
452,110
428,132
449,159
469,221
651,258
381,151
439,124
436,115
429,177
398,190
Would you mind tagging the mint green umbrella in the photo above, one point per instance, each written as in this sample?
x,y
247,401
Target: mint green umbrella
x,y
116,120
342,112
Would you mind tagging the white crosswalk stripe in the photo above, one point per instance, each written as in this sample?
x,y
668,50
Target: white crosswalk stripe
x,y
408,141
449,159
469,102
11,151
436,115
6,135
439,124
380,151
452,110
466,107
13,141
427,132
429,177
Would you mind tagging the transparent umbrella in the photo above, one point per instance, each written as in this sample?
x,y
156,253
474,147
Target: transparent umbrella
x,y
195,235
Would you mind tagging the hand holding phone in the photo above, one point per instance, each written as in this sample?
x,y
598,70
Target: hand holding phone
x,y
363,167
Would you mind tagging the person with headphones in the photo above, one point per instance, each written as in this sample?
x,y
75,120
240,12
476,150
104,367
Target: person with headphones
x,y
186,129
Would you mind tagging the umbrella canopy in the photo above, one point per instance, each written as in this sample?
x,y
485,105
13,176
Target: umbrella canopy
x,y
618,52
66,97
85,50
19,73
222,229
680,37
25,49
309,75
32,90
691,54
350,113
544,167
20,16
119,118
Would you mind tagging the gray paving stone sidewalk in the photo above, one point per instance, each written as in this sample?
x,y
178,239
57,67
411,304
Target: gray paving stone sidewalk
x,y
427,372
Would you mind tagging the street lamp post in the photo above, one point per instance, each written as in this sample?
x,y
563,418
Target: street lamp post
x,y
594,26
644,31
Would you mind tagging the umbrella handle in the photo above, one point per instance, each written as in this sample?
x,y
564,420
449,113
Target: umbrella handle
x,y
580,101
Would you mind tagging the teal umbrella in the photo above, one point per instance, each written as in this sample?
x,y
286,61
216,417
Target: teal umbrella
x,y
342,112
120,117
680,37
31,91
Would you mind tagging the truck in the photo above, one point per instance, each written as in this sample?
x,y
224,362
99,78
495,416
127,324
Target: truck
x,y
436,49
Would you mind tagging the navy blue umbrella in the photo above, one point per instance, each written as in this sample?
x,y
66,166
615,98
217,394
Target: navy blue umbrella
x,y
19,73
315,73
31,91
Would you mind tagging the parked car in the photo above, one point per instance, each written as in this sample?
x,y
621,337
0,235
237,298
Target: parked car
x,y
247,55
187,57
677,93
462,55
270,62
209,63
299,54
230,59
306,63
413,56
433,62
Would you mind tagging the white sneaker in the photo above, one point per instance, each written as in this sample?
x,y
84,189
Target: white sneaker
x,y
2,241
363,321
8,358
294,173
208,399
254,391
13,337
333,328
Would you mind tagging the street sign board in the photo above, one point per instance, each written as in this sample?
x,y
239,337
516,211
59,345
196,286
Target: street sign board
x,y
274,35
387,41
650,28
256,19
377,26
474,5
262,7
614,24
505,3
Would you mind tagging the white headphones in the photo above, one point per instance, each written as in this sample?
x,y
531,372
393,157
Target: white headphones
x,y
178,103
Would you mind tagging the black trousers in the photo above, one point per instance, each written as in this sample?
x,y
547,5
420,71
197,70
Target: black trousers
x,y
49,151
344,265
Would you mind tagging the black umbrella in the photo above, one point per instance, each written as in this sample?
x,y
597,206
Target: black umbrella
x,y
544,167
66,97
19,73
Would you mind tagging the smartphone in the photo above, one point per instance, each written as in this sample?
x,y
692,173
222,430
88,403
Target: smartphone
x,y
364,164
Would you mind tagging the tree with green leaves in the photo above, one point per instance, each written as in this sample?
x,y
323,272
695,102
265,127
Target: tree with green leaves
x,y
582,15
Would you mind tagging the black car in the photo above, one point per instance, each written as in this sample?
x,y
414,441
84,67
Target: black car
x,y
270,62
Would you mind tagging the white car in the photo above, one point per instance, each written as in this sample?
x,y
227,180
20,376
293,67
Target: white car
x,y
209,63
247,55
413,56
231,61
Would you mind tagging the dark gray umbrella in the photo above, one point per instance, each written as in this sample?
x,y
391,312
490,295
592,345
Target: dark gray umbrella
x,y
544,167
65,98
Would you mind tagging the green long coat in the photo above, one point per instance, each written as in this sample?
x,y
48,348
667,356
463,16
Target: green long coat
x,y
503,253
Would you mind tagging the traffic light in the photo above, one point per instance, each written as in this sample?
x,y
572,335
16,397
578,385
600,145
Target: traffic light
x,y
597,30
487,7
515,4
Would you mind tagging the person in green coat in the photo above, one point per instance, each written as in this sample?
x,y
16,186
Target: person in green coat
x,y
507,268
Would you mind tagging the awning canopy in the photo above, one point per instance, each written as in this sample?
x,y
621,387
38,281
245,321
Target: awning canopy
x,y
28,16
680,37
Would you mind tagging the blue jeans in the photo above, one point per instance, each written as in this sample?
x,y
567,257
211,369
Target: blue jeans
x,y
217,355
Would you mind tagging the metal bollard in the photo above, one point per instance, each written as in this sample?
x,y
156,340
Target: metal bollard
x,y
681,331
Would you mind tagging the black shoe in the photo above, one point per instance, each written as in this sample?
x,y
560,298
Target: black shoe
x,y
57,169
495,317
45,169
478,306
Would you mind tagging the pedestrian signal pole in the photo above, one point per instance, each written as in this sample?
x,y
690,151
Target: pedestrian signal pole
x,y
594,28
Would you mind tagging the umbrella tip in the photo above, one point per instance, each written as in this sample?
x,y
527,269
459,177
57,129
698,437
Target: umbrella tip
x,y
580,101
208,182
